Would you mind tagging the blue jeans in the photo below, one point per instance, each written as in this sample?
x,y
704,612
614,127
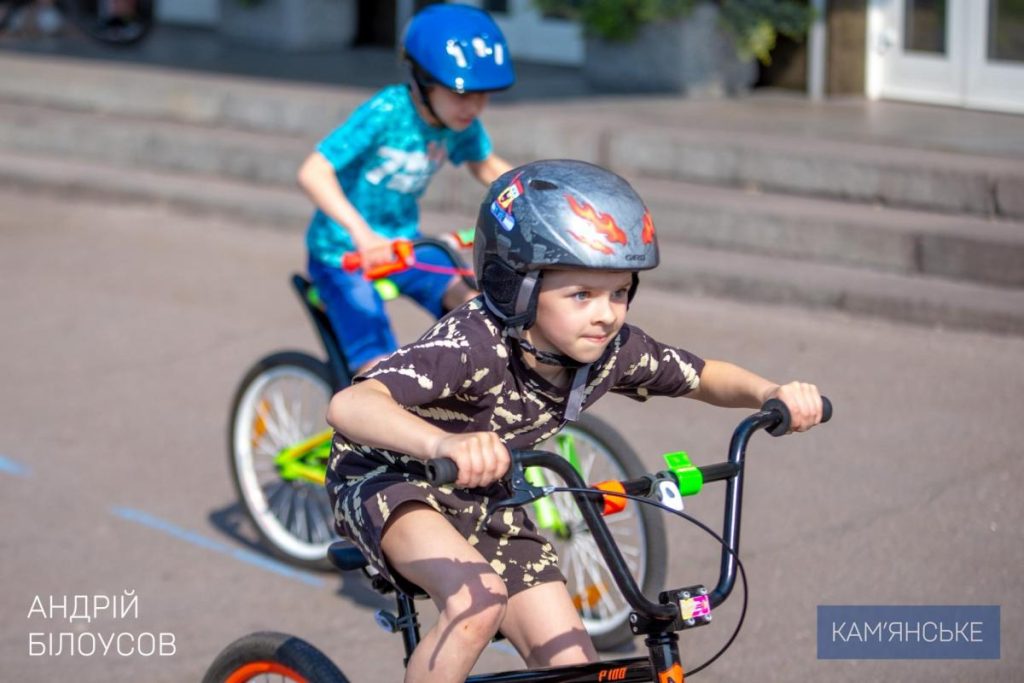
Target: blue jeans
x,y
357,312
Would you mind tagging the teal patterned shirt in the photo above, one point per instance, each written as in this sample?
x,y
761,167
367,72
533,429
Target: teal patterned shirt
x,y
384,156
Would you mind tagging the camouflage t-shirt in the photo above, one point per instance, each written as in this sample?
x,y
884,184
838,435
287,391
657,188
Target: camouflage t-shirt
x,y
465,375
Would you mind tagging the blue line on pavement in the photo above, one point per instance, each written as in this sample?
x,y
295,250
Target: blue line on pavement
x,y
146,519
9,466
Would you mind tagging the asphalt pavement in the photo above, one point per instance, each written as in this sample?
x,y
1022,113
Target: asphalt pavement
x,y
125,328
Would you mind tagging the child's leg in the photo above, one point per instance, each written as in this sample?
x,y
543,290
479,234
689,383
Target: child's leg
x,y
423,546
356,313
436,292
458,293
543,625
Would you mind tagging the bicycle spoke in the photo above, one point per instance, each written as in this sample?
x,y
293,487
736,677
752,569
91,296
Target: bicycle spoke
x,y
601,578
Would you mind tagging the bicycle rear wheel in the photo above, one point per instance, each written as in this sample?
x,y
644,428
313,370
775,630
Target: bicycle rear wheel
x,y
601,454
280,405
268,656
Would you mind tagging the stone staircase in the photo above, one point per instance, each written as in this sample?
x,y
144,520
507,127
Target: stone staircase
x,y
768,199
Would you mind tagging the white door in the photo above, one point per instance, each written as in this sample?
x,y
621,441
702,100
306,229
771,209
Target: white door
x,y
534,37
959,52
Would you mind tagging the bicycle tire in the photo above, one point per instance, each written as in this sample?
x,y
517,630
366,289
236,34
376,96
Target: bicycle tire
x,y
293,518
640,527
258,656
85,15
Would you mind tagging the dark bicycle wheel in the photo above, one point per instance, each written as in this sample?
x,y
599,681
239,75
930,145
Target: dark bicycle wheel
x,y
94,17
600,453
269,656
279,406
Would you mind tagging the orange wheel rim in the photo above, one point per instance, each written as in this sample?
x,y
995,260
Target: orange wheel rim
x,y
247,672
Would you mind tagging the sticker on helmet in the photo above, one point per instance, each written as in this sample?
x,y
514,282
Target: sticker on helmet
x,y
603,224
648,232
503,217
510,193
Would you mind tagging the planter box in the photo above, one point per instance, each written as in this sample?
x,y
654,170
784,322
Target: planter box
x,y
692,55
290,25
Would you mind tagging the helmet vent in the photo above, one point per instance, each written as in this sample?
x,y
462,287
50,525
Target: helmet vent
x,y
542,185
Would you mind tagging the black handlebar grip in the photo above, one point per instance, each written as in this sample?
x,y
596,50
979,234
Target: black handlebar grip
x,y
442,471
782,426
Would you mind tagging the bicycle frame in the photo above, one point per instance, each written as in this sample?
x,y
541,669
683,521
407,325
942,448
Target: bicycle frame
x,y
660,621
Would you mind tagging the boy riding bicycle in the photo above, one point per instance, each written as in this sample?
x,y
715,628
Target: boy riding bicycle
x,y
557,250
366,177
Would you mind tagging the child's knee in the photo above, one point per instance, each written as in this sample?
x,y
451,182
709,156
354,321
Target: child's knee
x,y
478,608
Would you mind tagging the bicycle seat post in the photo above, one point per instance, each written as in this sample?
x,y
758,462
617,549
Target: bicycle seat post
x,y
408,622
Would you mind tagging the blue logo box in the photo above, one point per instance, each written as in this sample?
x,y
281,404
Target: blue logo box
x,y
908,631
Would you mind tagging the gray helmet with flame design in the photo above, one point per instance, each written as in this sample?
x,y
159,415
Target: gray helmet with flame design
x,y
556,214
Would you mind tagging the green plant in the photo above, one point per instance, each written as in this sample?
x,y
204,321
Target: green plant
x,y
754,24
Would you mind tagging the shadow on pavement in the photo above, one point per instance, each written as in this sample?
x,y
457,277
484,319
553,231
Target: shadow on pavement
x,y
231,522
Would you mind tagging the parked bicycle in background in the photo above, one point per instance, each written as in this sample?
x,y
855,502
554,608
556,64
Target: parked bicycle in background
x,y
113,22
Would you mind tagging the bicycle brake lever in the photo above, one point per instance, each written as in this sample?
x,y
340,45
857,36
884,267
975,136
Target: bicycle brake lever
x,y
523,491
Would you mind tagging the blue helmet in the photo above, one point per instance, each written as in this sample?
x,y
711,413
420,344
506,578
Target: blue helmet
x,y
458,47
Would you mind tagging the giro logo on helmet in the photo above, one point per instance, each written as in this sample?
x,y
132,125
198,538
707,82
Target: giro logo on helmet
x,y
603,223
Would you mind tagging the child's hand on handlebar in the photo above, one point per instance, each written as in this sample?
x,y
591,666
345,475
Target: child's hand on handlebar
x,y
804,403
374,251
481,457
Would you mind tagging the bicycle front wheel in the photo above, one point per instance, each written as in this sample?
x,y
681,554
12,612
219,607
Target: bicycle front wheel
x,y
272,657
278,446
600,453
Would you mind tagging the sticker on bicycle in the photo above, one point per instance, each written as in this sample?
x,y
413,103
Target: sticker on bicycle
x,y
694,607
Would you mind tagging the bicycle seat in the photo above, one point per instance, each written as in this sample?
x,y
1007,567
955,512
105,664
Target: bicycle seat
x,y
346,556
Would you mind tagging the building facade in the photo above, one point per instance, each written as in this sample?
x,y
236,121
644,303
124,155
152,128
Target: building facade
x,y
965,53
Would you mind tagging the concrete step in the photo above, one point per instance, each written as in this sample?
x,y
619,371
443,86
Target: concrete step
x,y
954,246
907,298
685,267
889,175
775,144
957,246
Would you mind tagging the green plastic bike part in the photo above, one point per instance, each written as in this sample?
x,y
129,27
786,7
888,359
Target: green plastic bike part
x,y
466,236
567,449
688,477
306,459
313,297
387,289
545,512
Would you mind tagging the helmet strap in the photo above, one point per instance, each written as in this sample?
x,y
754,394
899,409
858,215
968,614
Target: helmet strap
x,y
574,404
421,84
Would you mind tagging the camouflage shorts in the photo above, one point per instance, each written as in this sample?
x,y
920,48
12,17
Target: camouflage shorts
x,y
364,499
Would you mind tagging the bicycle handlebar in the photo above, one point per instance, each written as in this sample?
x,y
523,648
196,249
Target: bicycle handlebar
x,y
403,251
773,417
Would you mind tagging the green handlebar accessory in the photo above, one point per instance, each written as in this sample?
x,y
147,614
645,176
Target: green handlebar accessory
x,y
687,475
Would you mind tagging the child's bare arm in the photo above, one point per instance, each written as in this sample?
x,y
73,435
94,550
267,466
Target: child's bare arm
x,y
728,385
367,414
317,179
488,170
